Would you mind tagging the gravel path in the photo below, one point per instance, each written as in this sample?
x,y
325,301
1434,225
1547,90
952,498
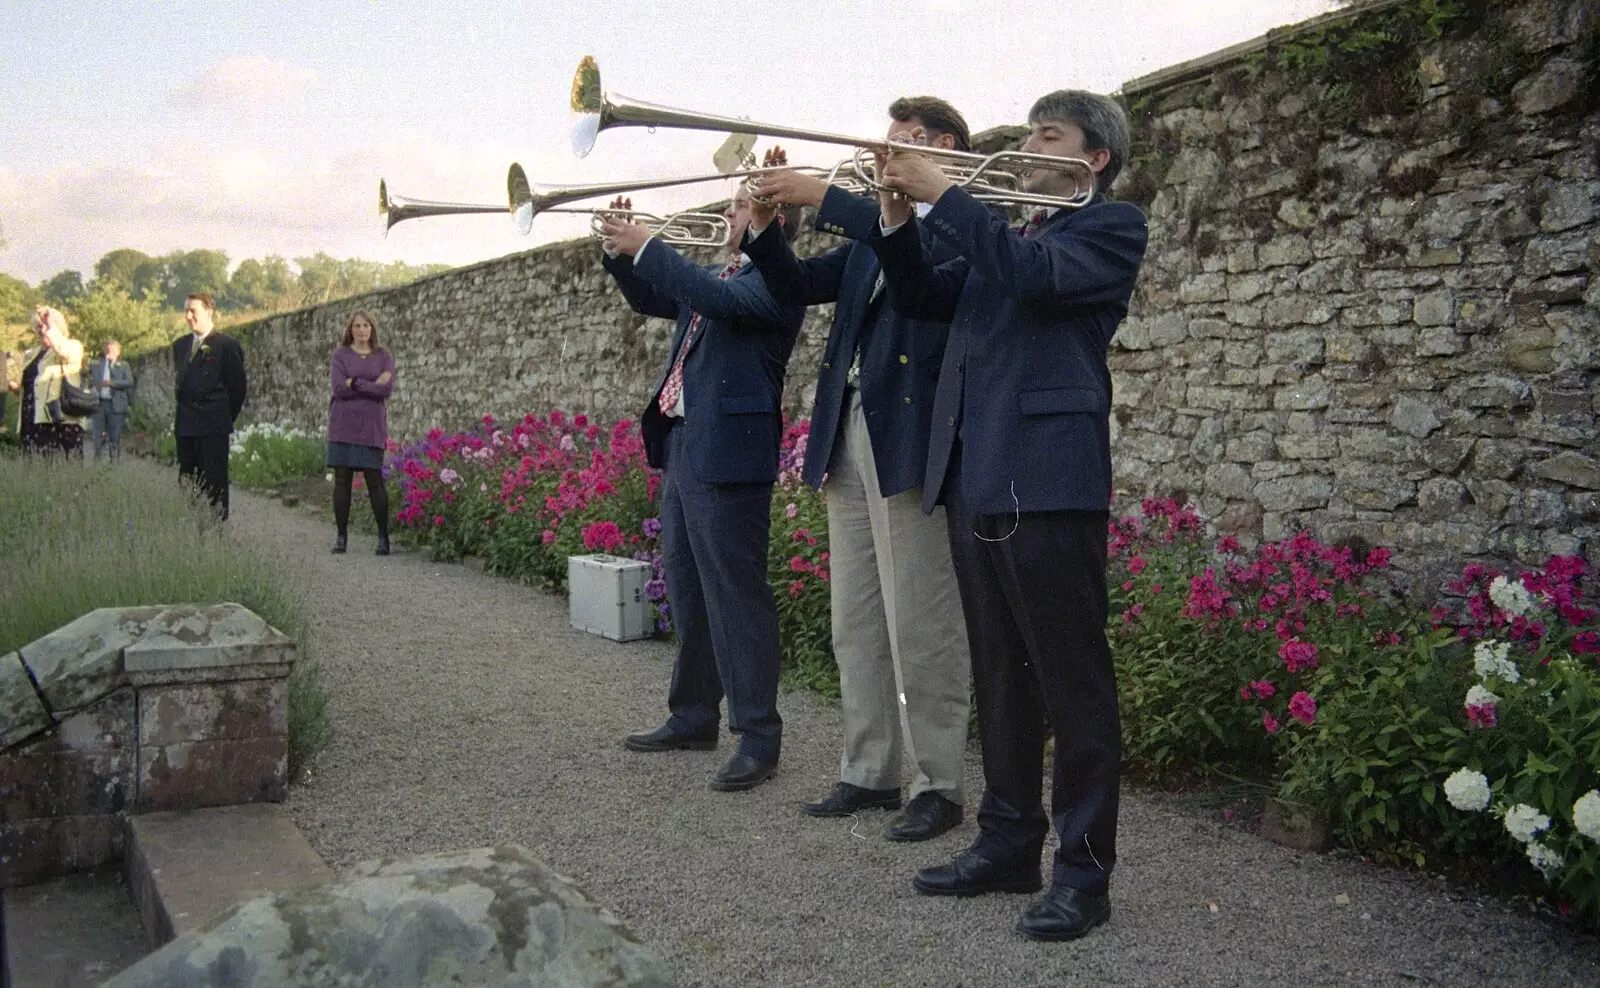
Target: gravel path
x,y
468,713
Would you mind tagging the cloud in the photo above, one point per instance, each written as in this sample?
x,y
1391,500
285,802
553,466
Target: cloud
x,y
247,83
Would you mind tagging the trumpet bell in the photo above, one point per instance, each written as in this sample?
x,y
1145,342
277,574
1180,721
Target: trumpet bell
x,y
520,193
588,107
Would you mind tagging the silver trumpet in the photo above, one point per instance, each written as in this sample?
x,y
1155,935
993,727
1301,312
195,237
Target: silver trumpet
x,y
993,177
683,229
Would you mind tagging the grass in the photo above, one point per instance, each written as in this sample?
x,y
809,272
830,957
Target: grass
x,y
75,538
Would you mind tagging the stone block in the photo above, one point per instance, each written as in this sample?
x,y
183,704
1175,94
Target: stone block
x,y
1414,418
1496,459
1228,480
1133,334
1439,498
1446,454
491,916
1296,310
1308,395
1570,206
1167,329
1491,391
1373,486
1556,83
208,637
191,774
1252,447
1300,348
186,869
1434,257
1248,286
1434,309
1204,288
1539,508
1572,469
1241,519
1554,254
22,715
1289,249
35,850
84,766
1294,493
81,661
1308,447
1493,497
254,708
1439,341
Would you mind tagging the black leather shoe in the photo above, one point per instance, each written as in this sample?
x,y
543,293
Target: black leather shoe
x,y
974,873
1064,913
664,738
383,546
927,816
846,799
742,772
339,545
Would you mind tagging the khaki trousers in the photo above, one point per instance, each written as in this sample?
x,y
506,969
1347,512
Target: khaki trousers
x,y
898,633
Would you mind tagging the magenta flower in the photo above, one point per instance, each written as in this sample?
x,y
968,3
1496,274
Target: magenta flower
x,y
1270,723
1136,565
1297,655
1303,708
548,536
1264,689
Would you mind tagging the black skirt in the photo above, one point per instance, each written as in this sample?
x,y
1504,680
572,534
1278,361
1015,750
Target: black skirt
x,y
354,456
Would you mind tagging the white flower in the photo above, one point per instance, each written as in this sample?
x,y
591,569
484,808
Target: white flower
x,y
1480,697
1547,859
1586,815
236,448
1467,790
1491,661
1511,596
1523,822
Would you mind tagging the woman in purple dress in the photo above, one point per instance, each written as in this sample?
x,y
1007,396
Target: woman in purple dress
x,y
362,376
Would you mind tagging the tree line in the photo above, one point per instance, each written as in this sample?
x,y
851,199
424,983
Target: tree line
x,y
138,298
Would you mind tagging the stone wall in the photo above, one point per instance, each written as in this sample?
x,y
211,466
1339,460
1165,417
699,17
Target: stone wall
x,y
1368,306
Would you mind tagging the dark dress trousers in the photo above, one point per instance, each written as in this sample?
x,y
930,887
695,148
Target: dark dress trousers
x,y
720,461
210,388
899,355
1020,455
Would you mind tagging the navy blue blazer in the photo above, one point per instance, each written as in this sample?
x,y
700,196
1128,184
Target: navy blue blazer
x,y
1024,382
900,355
733,375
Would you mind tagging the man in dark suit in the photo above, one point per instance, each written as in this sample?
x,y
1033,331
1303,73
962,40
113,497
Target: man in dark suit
x,y
112,381
1020,456
897,632
714,424
208,368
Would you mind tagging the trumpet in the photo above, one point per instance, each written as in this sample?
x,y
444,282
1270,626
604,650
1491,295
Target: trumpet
x,y
993,177
397,209
683,229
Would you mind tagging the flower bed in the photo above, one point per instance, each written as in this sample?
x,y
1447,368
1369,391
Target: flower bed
x,y
524,496
1467,740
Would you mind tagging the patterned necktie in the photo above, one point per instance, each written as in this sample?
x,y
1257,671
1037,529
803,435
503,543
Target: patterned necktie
x,y
672,390
1034,221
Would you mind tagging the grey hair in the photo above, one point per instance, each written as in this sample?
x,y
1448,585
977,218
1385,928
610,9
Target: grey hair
x,y
1101,119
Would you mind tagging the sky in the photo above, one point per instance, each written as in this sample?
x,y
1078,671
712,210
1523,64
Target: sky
x,y
263,128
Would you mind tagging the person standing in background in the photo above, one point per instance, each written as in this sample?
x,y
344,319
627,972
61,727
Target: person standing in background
x,y
8,384
362,375
57,359
113,384
208,368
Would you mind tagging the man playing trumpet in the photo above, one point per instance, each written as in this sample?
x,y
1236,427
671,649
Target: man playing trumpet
x,y
897,632
714,425
1020,457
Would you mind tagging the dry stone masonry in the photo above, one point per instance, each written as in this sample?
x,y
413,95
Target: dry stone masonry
x,y
1369,306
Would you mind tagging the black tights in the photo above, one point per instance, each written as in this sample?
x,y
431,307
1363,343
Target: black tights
x,y
377,493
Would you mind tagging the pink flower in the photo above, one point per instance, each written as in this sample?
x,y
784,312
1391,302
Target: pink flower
x,y
1481,715
1127,586
1270,723
1244,692
1264,689
1228,544
580,420
438,521
548,536
1303,708
799,564
797,588
605,535
1378,558
792,510
1155,588
1586,642
1136,565
1297,655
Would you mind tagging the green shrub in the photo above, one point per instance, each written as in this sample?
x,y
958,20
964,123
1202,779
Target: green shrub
x,y
263,456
